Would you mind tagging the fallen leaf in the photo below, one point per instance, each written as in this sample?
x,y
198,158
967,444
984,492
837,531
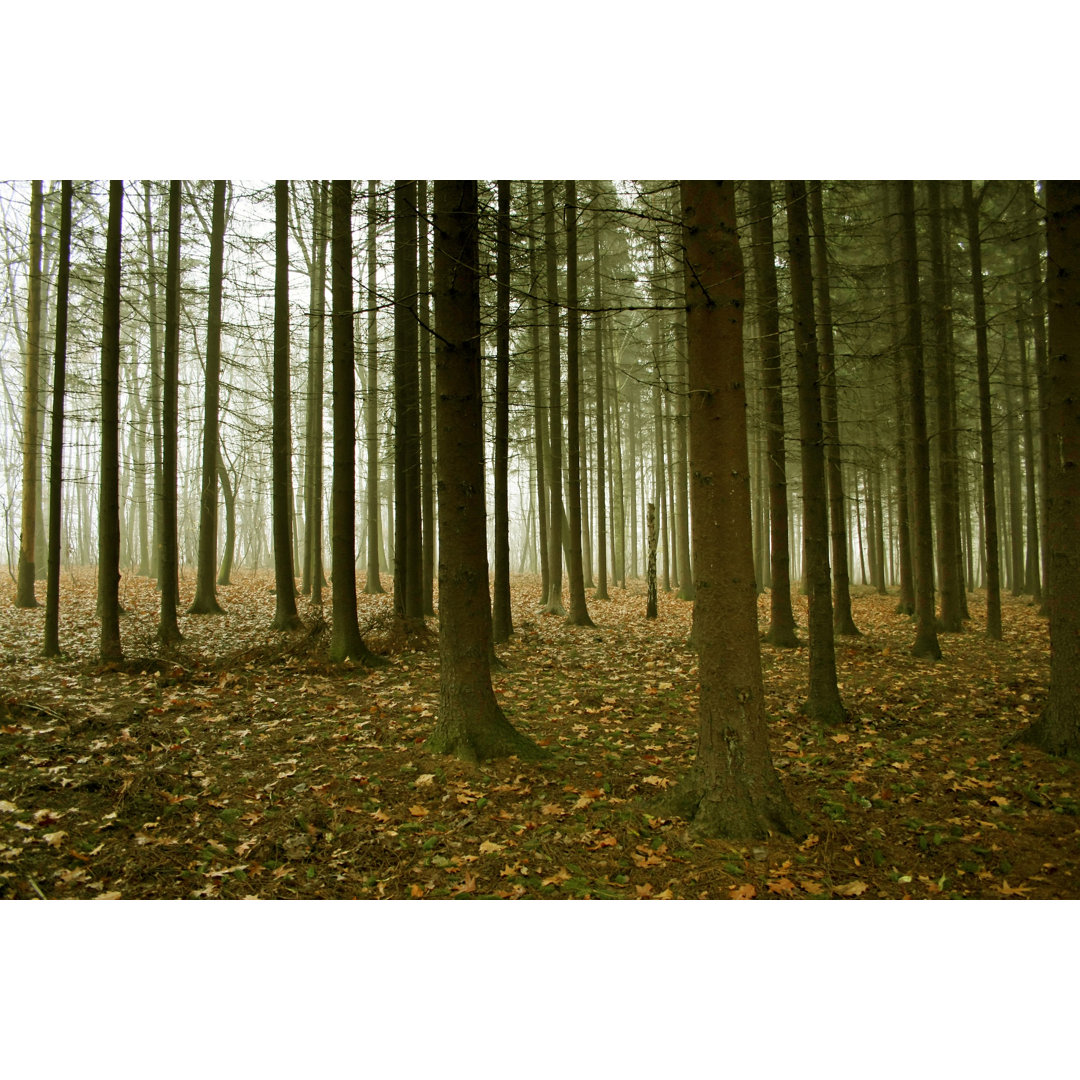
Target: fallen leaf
x,y
783,887
424,779
743,892
419,811
490,848
1009,890
852,888
558,878
55,839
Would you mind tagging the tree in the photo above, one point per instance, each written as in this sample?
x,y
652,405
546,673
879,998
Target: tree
x,y
732,788
554,603
345,638
470,725
823,703
501,619
24,588
598,351
781,617
205,602
56,471
539,438
579,612
427,486
843,623
109,505
285,615
372,583
1057,730
168,555
986,429
926,640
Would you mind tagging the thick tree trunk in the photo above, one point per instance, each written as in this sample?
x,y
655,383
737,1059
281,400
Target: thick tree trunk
x,y
502,623
732,789
205,602
470,725
926,640
24,588
109,502
56,472
823,703
1057,730
285,615
781,617
169,556
579,612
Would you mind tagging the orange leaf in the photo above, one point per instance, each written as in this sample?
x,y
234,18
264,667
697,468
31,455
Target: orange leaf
x,y
743,892
852,888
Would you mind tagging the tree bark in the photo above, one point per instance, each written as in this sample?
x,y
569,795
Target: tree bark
x,y
56,472
823,703
732,788
600,481
501,620
427,486
372,583
539,439
554,603
285,615
1057,730
470,725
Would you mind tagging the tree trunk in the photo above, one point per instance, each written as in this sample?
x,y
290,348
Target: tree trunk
x,y
470,725
372,583
599,483
554,603
228,497
781,617
732,789
56,471
986,429
345,639
205,602
650,603
24,589
843,623
109,502
169,556
926,640
502,622
1057,730
427,486
285,615
579,612
155,384
823,703
538,408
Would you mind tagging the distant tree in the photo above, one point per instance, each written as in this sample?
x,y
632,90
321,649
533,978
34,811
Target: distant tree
x,y
823,703
1057,730
109,504
56,472
285,614
206,602
24,588
579,612
598,353
501,618
470,725
156,391
554,603
345,639
732,788
539,411
372,584
168,553
781,617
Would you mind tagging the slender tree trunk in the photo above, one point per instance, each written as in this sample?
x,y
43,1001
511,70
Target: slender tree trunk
x,y
538,406
554,603
501,619
427,486
24,589
372,584
228,497
823,703
470,725
599,483
1038,325
986,430
731,788
1032,582
155,383
650,603
56,470
926,640
1057,730
205,602
169,558
345,639
579,612
285,615
781,617
109,500
842,621
682,500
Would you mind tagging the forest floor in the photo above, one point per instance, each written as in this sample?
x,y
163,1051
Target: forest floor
x,y
245,765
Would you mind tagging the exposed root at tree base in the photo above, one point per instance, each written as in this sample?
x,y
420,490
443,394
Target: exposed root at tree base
x,y
724,815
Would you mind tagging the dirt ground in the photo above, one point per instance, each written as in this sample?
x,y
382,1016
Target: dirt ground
x,y
245,765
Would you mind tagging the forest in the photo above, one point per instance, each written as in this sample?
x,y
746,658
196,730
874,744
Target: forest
x,y
540,539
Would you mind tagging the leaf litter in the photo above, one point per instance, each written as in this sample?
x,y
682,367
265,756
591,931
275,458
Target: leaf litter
x,y
243,764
